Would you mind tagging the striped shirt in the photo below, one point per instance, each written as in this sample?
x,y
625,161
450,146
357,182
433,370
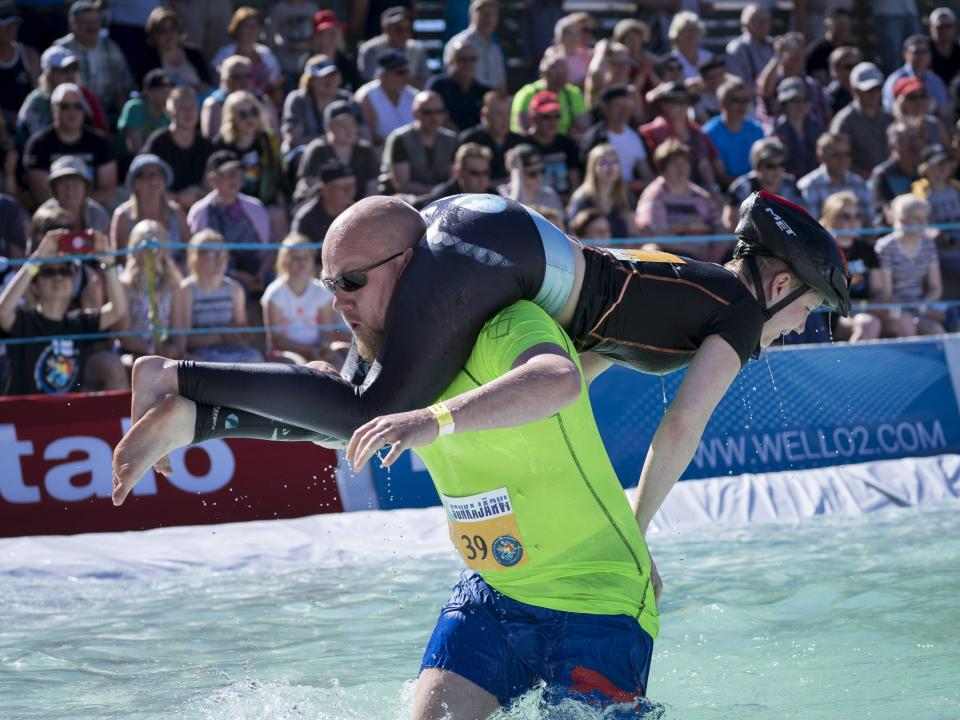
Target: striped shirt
x,y
908,268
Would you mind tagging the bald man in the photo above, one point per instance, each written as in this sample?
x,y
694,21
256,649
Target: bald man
x,y
419,156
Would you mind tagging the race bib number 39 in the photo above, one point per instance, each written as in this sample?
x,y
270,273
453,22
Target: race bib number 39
x,y
484,530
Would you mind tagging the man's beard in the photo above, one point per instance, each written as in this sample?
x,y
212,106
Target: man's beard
x,y
368,344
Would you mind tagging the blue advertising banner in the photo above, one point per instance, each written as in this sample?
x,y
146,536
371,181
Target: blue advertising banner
x,y
795,408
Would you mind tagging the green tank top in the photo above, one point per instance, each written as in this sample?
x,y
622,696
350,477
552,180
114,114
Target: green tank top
x,y
537,509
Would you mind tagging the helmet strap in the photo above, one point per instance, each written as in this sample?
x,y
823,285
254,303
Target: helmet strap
x,y
769,312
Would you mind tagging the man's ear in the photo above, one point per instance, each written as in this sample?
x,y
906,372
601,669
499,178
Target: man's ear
x,y
779,285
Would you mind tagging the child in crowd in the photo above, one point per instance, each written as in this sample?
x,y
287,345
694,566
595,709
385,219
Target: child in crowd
x,y
149,304
296,306
910,270
207,298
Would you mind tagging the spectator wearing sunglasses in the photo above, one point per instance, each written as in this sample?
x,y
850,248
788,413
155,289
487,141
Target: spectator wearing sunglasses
x,y
419,156
237,217
303,110
733,131
471,174
768,160
387,101
527,171
236,73
561,157
334,193
64,364
833,176
461,92
68,135
573,118
840,90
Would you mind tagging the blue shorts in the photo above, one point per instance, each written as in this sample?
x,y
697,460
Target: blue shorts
x,y
508,648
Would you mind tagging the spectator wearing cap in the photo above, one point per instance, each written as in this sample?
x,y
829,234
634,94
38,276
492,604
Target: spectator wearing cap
x,y
671,102
148,180
494,133
236,73
387,101
788,61
419,156
58,65
239,218
182,147
396,25
768,160
245,28
60,365
916,56
327,39
911,104
491,64
833,176
616,110
672,205
840,90
569,42
837,24
750,52
895,21
20,69
796,127
289,29
102,65
733,132
165,49
462,94
69,185
704,88
471,174
686,31
561,156
553,79
68,135
604,189
341,141
864,120
527,172
945,58
334,194
142,116
896,175
319,85
939,188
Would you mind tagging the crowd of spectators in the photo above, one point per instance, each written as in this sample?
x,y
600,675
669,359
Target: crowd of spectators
x,y
139,125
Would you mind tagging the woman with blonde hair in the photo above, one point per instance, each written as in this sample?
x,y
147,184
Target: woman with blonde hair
x,y
841,213
149,291
207,298
603,188
319,86
568,43
686,32
149,179
245,28
296,305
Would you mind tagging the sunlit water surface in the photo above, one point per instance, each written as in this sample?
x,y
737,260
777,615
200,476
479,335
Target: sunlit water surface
x,y
842,617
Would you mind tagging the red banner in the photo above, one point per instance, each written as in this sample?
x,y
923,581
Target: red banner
x,y
56,477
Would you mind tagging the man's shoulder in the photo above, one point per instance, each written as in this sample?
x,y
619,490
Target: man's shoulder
x,y
522,317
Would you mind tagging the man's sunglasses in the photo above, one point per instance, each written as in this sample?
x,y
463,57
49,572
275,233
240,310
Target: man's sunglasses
x,y
355,279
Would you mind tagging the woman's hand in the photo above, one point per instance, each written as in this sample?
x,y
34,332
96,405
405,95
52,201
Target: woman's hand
x,y
49,245
401,431
103,247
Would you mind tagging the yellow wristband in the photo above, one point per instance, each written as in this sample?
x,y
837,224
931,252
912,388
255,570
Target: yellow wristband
x,y
444,418
32,269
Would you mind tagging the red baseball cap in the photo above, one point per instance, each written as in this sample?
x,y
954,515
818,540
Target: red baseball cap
x,y
906,85
544,102
325,19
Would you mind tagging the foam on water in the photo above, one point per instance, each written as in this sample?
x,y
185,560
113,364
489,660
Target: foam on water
x,y
327,617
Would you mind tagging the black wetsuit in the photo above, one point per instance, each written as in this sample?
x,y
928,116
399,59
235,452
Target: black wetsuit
x,y
646,311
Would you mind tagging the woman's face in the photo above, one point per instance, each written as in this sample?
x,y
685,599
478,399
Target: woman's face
x,y
344,129
248,31
326,86
677,170
246,117
301,263
70,191
166,35
913,216
185,111
770,173
599,229
608,167
212,262
847,219
149,182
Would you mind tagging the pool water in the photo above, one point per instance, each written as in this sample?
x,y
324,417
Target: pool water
x,y
326,617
